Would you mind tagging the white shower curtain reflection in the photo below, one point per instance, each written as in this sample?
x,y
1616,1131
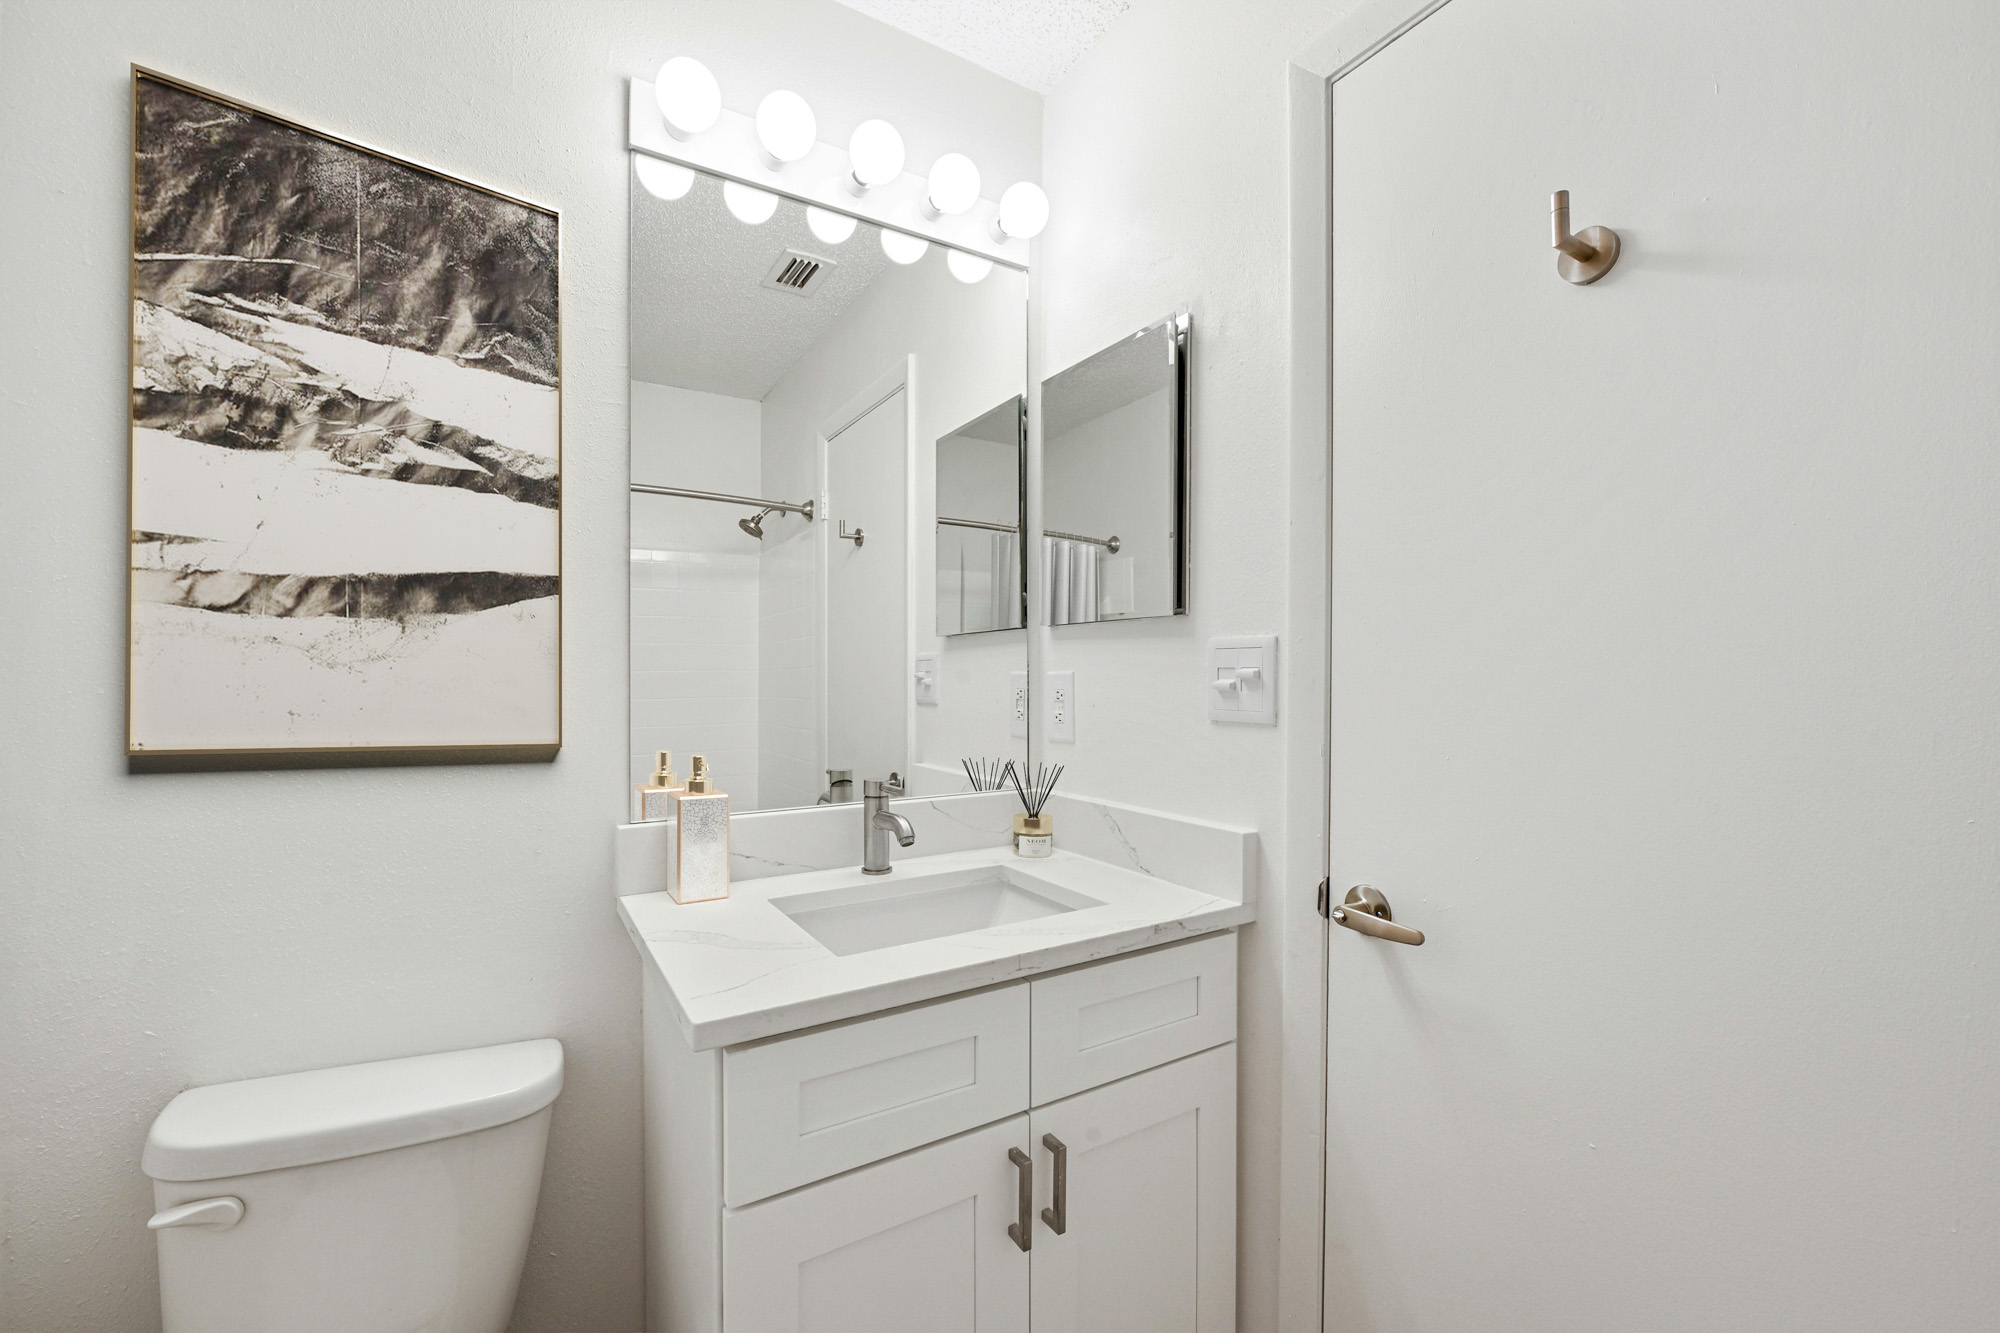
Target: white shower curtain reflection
x,y
1070,580
978,579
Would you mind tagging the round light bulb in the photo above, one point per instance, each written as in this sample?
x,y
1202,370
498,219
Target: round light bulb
x,y
967,268
954,184
688,95
785,126
749,204
663,180
875,153
1024,211
903,248
833,228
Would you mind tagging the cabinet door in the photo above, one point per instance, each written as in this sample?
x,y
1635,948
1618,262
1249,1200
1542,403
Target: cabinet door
x,y
1149,1241
917,1243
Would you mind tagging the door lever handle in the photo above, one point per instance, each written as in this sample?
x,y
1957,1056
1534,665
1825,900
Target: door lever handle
x,y
1366,910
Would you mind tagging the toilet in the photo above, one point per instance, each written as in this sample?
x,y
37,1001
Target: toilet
x,y
388,1197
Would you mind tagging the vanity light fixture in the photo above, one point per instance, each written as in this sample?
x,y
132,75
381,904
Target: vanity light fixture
x,y
1024,211
833,228
967,268
689,97
903,248
663,180
785,127
875,156
749,204
953,186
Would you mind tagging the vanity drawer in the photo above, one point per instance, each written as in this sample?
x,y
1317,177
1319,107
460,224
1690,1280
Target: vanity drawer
x,y
1116,1018
798,1109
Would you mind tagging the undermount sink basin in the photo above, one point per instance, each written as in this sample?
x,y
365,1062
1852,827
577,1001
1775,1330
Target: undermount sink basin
x,y
864,917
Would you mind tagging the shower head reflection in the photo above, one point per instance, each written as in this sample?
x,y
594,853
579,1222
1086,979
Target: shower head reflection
x,y
755,526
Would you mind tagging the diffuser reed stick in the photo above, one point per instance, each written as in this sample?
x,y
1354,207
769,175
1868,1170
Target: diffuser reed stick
x,y
1036,794
988,774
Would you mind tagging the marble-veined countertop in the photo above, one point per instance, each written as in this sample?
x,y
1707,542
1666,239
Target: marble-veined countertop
x,y
738,969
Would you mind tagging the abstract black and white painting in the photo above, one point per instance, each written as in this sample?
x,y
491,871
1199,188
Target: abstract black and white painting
x,y
345,489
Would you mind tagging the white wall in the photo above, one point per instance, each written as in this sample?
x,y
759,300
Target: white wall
x,y
1165,159
694,587
166,931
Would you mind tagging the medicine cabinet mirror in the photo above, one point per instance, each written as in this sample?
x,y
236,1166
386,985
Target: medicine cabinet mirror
x,y
802,404
1115,481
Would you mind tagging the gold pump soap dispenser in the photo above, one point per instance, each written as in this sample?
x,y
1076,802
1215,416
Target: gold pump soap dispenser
x,y
698,862
656,797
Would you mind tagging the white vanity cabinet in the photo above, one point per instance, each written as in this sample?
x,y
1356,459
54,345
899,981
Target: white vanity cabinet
x,y
869,1175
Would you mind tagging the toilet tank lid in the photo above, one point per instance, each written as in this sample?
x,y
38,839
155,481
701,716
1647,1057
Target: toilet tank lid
x,y
321,1115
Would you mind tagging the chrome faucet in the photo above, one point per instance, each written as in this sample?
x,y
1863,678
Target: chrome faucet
x,y
878,822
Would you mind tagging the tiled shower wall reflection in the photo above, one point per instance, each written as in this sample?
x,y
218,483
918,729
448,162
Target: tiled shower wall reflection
x,y
695,665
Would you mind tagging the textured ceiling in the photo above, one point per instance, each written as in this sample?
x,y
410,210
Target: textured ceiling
x,y
1122,373
1031,42
701,318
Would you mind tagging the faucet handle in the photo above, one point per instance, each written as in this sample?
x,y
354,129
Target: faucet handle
x,y
892,786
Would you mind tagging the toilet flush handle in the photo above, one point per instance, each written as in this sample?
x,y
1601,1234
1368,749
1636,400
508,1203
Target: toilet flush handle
x,y
221,1213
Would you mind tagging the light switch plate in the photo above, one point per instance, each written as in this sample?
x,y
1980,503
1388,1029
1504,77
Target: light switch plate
x,y
927,678
1017,694
1061,690
1243,679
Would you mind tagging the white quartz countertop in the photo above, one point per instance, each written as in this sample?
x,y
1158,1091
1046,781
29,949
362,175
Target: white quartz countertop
x,y
738,969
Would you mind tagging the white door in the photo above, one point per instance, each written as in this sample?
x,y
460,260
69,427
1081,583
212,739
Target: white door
x,y
915,1244
1149,1238
1666,672
867,654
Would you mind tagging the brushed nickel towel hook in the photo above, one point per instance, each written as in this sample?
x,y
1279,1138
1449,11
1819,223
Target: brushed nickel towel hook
x,y
1586,256
856,536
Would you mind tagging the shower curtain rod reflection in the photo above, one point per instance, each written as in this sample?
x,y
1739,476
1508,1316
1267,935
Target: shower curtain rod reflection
x,y
1108,543
781,506
976,523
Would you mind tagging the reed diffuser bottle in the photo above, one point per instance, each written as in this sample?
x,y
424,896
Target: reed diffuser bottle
x,y
1034,835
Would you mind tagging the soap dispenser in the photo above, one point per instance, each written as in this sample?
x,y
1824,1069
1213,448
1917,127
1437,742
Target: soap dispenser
x,y
698,863
656,796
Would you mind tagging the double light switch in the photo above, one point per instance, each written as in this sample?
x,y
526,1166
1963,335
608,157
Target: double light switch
x,y
1243,679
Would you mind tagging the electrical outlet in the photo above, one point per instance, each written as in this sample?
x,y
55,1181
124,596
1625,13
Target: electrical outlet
x,y
1017,689
1062,706
927,678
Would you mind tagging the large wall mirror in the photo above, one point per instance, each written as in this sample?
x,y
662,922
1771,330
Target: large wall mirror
x,y
1115,481
817,418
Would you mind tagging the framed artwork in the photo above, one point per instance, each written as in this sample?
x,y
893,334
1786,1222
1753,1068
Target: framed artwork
x,y
346,481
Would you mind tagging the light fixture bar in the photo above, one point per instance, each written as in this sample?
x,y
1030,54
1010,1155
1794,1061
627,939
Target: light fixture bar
x,y
731,149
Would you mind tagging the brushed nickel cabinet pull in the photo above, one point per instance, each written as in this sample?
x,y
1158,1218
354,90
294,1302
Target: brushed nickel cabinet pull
x,y
1018,1231
1058,1216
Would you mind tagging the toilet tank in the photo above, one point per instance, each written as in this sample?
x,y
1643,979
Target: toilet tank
x,y
390,1197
